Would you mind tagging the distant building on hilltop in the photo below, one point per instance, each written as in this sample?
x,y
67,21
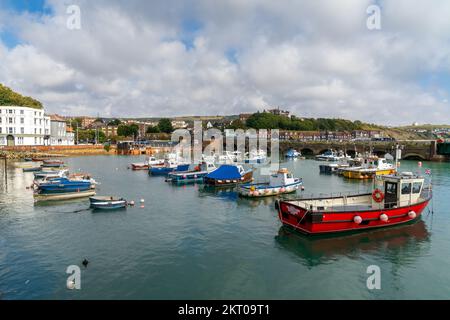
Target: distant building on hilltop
x,y
279,112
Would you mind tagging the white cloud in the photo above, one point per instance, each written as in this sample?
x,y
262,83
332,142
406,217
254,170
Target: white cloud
x,y
313,58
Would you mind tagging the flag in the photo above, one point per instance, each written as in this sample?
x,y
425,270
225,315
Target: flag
x,y
427,171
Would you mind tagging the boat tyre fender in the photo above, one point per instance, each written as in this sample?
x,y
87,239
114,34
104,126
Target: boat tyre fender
x,y
377,195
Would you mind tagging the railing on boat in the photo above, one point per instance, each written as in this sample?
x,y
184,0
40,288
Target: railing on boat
x,y
425,194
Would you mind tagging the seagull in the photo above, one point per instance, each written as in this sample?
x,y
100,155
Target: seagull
x,y
85,262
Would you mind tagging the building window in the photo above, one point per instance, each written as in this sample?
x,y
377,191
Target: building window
x,y
1,129
35,131
35,140
35,121
10,120
22,130
10,130
10,111
22,120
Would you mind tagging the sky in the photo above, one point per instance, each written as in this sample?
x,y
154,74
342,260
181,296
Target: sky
x,y
171,58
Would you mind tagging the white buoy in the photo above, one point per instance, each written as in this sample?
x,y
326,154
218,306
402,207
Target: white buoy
x,y
412,214
357,219
70,284
142,200
384,217
302,187
131,203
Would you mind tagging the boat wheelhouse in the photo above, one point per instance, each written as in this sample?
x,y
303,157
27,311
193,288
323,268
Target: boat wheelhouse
x,y
396,199
228,175
279,183
150,161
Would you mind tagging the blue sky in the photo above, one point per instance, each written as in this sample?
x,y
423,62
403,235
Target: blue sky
x,y
35,7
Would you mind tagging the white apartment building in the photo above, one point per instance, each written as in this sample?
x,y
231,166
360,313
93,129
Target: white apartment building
x,y
23,126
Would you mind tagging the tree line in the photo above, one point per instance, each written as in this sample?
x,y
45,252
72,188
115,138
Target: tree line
x,y
266,120
10,98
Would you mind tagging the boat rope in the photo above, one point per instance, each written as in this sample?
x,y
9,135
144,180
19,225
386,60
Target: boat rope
x,y
306,212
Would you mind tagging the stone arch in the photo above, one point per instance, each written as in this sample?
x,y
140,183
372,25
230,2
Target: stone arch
x,y
307,152
413,156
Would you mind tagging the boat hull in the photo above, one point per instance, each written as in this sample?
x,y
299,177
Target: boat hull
x,y
310,223
63,196
188,177
135,166
361,175
264,190
162,171
247,177
109,205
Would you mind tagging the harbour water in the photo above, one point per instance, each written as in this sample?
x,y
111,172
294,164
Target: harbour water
x,y
190,242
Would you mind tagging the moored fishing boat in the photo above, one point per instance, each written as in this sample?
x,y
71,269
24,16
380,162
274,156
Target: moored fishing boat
x,y
49,174
279,183
256,156
151,161
32,169
334,167
168,167
292,153
227,175
332,155
52,163
63,185
107,202
62,196
195,175
396,199
370,167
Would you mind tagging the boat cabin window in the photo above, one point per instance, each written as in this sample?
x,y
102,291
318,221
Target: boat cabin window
x,y
406,188
289,176
417,186
391,188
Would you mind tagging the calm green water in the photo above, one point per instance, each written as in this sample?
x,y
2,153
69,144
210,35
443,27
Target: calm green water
x,y
193,243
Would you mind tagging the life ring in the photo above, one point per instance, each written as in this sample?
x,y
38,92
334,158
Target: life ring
x,y
377,195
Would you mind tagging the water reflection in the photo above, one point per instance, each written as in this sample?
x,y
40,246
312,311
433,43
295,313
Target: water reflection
x,y
225,193
396,244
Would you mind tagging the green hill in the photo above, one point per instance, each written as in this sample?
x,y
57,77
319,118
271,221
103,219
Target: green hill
x,y
11,98
265,120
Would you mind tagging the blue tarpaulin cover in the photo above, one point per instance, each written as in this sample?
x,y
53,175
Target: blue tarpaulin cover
x,y
224,172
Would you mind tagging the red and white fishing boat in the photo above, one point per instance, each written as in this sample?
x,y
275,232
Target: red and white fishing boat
x,y
396,199
151,161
